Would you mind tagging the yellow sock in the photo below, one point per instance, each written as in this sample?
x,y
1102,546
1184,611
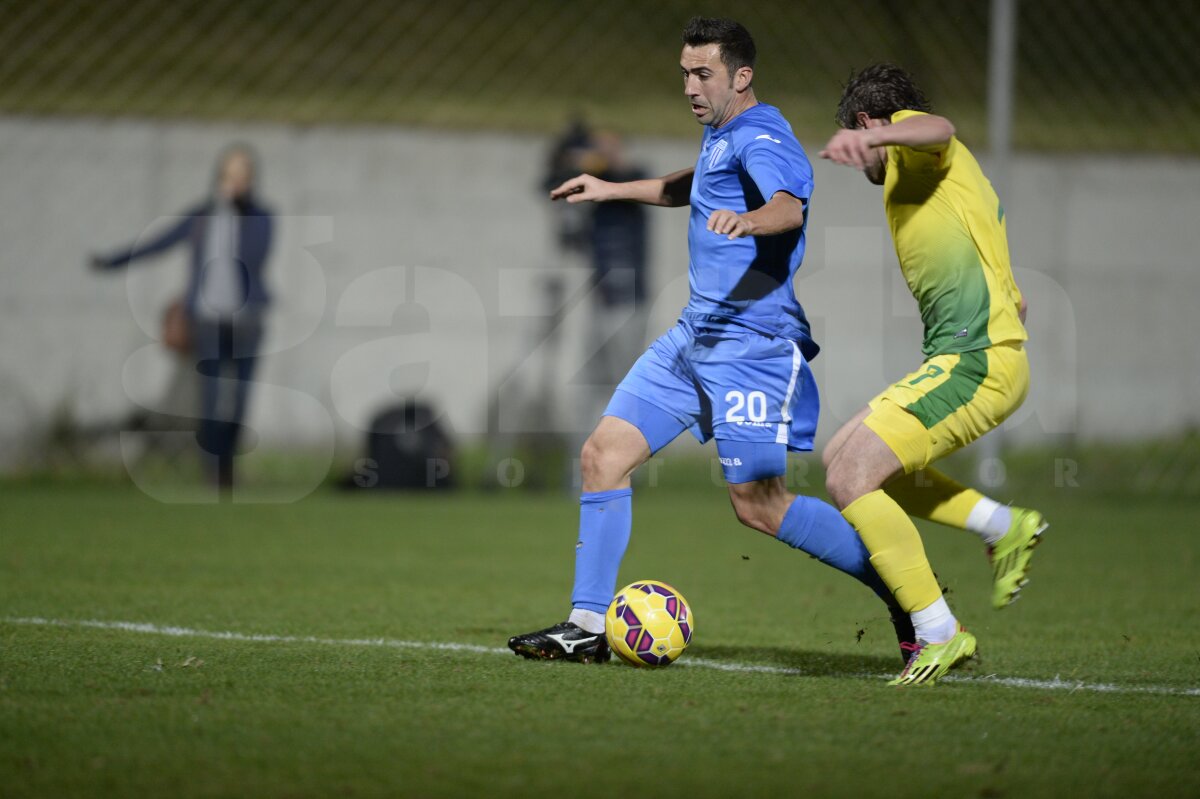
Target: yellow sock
x,y
929,494
896,549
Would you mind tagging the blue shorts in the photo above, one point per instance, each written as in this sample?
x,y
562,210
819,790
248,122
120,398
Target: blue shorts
x,y
753,393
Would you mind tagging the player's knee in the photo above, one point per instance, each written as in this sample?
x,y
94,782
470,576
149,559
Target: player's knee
x,y
827,455
590,459
841,483
598,464
835,481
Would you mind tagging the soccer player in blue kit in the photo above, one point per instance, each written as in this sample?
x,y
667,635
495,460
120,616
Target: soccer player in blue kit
x,y
735,366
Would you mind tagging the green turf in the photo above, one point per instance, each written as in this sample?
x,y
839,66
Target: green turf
x,y
102,712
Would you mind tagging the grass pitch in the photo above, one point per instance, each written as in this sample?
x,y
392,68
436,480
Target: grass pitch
x,y
372,709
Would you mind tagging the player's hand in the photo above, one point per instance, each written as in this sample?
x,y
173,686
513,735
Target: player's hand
x,y
582,189
849,148
730,224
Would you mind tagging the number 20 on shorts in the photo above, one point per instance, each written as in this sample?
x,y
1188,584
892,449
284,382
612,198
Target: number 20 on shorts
x,y
754,404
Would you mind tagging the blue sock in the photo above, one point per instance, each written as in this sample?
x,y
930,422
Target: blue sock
x,y
817,528
605,519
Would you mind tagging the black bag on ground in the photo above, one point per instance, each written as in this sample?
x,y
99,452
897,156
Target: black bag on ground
x,y
406,448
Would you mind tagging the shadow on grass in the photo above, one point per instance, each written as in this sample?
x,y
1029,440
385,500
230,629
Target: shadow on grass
x,y
806,662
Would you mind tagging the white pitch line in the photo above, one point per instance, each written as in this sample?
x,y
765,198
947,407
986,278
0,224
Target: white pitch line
x,y
1055,684
187,632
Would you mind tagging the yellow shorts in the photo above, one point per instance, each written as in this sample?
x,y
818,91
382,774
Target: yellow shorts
x,y
951,401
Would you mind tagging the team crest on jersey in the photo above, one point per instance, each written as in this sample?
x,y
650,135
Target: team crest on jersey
x,y
718,150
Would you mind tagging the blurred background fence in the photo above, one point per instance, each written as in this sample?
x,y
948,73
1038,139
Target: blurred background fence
x,y
1112,75
404,145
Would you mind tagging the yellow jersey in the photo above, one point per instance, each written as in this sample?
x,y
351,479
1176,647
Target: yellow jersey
x,y
952,241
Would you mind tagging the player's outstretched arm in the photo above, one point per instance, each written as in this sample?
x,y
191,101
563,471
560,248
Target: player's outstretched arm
x,y
923,131
782,213
670,191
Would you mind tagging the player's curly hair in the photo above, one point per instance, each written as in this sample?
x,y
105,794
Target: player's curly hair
x,y
880,90
737,47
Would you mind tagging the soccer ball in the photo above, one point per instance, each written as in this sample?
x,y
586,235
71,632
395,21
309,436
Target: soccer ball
x,y
648,624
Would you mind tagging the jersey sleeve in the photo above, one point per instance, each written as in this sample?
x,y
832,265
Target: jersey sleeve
x,y
933,158
776,162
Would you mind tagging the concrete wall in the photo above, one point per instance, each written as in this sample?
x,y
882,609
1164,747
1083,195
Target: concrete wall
x,y
409,263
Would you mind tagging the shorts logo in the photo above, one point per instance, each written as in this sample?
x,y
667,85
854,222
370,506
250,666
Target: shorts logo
x,y
961,334
717,151
932,370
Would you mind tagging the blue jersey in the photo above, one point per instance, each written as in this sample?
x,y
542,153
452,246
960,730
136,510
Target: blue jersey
x,y
748,281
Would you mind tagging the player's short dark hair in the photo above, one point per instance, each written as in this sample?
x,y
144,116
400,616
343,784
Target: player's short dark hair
x,y
880,90
737,47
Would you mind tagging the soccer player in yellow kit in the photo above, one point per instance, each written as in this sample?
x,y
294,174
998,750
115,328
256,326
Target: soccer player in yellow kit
x,y
949,230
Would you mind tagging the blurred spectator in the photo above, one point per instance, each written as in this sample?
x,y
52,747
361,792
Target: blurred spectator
x,y
219,320
571,221
610,240
617,250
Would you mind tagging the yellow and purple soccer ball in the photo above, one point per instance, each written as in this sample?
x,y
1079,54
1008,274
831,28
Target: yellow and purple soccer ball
x,y
648,623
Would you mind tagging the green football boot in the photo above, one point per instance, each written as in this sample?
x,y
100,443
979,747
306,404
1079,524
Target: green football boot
x,y
927,662
1010,555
